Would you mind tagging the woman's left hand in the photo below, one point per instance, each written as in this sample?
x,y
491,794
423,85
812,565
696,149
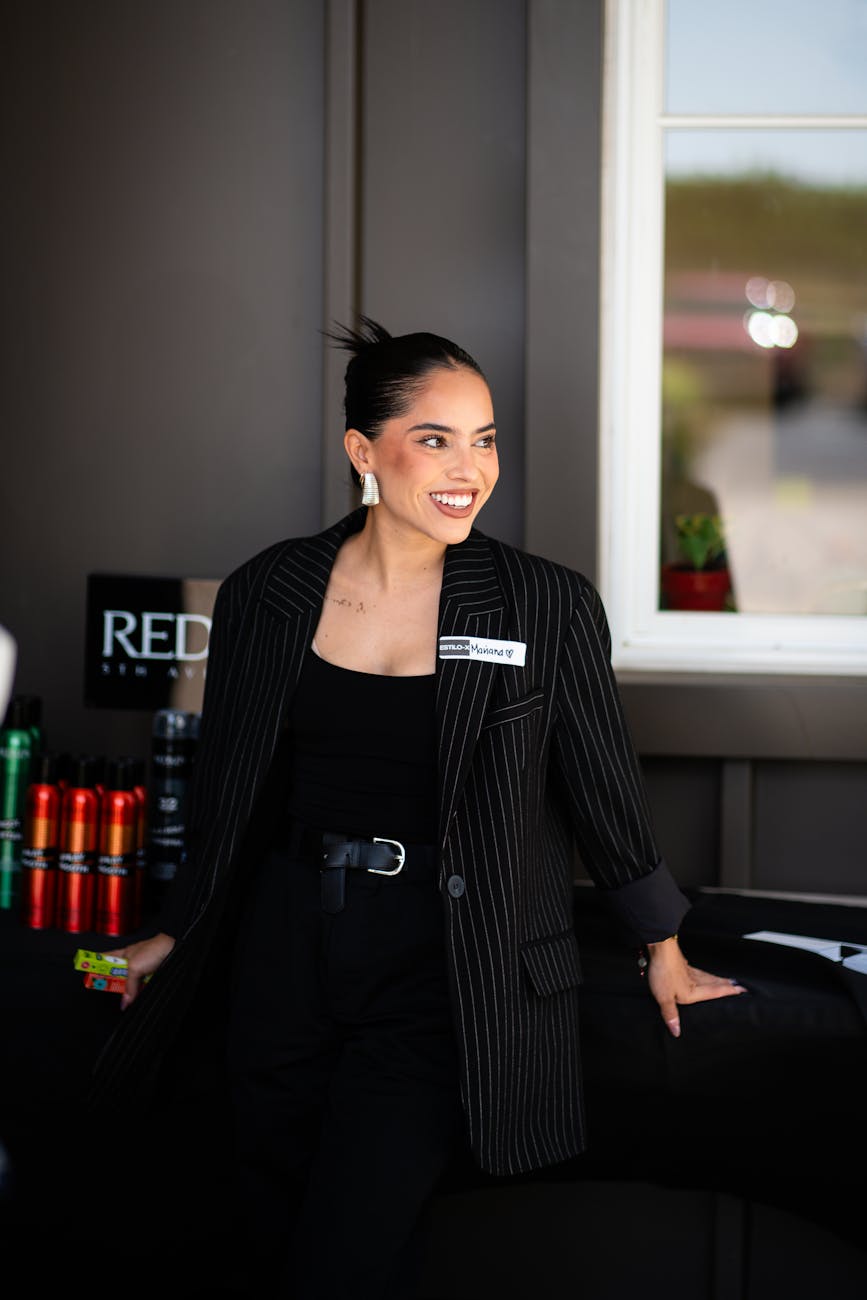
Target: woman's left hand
x,y
673,982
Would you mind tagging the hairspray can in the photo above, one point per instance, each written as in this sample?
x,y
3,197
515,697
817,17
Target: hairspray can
x,y
116,864
41,845
16,770
78,849
174,741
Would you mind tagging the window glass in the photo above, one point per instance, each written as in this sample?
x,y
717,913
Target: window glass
x,y
766,56
764,407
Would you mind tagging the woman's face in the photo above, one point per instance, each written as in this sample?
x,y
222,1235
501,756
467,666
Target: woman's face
x,y
436,465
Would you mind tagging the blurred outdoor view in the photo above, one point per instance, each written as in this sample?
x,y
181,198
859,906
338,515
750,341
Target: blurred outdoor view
x,y
764,419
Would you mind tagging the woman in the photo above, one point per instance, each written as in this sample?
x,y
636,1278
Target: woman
x,y
407,726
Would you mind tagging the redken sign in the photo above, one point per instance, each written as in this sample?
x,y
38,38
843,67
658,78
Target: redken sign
x,y
147,641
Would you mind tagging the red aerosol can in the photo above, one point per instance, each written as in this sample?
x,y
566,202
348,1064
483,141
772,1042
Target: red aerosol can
x,y
116,869
78,849
41,847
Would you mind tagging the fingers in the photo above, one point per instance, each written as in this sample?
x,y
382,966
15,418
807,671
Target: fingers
x,y
704,977
699,986
130,993
668,1008
674,982
707,992
706,986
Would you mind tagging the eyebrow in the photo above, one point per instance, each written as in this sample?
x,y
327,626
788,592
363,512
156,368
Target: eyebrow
x,y
445,428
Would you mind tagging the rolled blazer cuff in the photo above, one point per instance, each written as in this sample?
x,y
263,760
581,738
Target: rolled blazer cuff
x,y
652,907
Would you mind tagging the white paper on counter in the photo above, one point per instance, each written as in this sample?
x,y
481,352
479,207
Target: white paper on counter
x,y
829,948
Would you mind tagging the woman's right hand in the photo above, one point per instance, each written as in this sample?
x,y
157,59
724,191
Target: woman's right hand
x,y
142,958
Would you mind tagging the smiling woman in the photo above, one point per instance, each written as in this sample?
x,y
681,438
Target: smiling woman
x,y
417,454
407,728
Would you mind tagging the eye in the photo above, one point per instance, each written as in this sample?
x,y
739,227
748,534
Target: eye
x,y
432,440
487,441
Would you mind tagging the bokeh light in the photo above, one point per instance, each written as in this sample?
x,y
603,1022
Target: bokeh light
x,y
785,331
781,295
760,327
757,291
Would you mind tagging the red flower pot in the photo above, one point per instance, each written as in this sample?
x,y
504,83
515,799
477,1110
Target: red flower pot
x,y
684,588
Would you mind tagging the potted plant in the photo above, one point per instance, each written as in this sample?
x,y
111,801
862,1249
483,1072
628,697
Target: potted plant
x,y
701,579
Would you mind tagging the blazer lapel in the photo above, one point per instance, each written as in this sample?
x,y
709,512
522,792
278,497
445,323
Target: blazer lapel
x,y
299,575
471,604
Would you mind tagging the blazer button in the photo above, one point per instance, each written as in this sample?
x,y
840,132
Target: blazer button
x,y
456,886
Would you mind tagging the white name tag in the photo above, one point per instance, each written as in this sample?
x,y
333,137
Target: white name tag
x,y
479,647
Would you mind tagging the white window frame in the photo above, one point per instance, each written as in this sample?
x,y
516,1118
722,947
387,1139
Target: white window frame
x,y
633,181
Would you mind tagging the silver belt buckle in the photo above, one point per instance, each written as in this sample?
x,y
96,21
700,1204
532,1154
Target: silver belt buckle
x,y
401,857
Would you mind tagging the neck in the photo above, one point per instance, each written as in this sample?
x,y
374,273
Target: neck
x,y
394,558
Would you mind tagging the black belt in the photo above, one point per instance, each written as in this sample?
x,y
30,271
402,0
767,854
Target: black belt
x,y
335,853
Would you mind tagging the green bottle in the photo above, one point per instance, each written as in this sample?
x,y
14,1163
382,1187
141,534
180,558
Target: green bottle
x,y
16,770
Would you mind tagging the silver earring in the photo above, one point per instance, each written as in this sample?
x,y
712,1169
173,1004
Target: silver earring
x,y
369,490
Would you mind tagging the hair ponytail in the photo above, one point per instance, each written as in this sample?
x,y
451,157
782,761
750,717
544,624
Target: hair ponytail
x,y
368,335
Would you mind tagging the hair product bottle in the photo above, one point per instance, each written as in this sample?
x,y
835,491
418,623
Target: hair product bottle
x,y
116,864
16,770
78,849
41,846
174,741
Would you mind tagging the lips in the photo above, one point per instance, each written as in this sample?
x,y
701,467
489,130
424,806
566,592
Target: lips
x,y
454,504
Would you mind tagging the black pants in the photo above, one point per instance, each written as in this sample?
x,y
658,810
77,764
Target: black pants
x,y
343,1075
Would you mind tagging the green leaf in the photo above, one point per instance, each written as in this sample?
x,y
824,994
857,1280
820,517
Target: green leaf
x,y
700,538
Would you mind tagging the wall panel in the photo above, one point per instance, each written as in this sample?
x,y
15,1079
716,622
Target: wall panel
x,y
443,197
810,829
162,300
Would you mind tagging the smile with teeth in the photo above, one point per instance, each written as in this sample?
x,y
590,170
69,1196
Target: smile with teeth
x,y
457,500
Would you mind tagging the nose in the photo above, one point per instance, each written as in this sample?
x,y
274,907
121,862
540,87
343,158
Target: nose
x,y
462,465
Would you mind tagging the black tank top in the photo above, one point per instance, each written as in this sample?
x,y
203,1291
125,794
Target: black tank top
x,y
364,758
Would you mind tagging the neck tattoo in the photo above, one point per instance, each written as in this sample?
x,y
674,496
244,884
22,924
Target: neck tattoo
x,y
343,600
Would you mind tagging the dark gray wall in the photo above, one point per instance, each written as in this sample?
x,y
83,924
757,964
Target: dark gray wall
x,y
443,196
564,92
162,296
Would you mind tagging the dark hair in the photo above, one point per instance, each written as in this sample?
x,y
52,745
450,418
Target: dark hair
x,y
387,371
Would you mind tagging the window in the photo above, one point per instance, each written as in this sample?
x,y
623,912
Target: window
x,y
734,334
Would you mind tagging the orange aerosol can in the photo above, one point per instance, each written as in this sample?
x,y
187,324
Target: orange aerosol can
x,y
41,846
76,890
116,868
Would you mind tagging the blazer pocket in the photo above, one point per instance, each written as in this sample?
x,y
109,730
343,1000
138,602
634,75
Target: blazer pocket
x,y
552,963
515,710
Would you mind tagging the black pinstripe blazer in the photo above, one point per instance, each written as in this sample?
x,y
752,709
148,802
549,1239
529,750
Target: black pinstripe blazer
x,y
534,761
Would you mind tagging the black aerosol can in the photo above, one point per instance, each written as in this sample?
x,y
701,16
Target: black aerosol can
x,y
174,740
